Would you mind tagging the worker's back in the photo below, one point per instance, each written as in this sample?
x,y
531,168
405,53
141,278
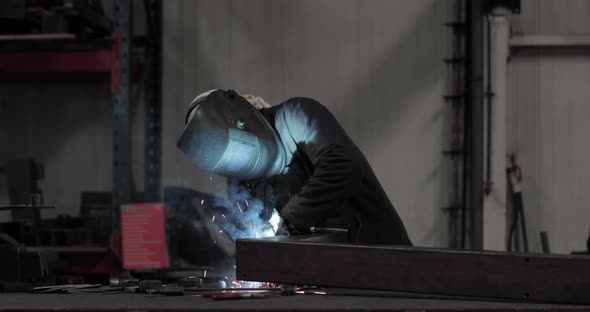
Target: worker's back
x,y
328,181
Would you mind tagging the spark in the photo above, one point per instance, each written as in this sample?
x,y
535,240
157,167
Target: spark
x,y
205,273
213,219
210,178
227,278
214,241
202,201
300,292
319,292
235,267
247,205
223,215
239,207
220,231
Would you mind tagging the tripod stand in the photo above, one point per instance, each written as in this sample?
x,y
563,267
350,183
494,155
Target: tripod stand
x,y
517,222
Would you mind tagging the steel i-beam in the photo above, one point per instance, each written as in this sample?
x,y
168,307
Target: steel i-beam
x,y
312,261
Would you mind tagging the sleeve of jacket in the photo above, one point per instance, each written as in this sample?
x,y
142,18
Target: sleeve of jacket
x,y
336,160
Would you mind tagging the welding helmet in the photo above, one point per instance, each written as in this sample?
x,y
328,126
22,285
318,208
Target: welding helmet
x,y
225,135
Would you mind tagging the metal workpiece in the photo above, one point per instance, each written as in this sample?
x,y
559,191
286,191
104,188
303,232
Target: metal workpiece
x,y
497,275
319,235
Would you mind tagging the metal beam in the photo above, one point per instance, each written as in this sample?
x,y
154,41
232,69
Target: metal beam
x,y
474,122
525,277
153,105
122,175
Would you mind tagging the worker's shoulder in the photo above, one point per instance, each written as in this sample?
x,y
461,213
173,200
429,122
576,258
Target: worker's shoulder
x,y
302,104
301,101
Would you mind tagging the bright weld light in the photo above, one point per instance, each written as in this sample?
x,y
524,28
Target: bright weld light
x,y
245,284
274,221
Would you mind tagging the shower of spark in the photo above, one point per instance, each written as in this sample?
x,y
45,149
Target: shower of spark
x,y
250,220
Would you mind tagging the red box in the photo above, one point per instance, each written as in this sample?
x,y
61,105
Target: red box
x,y
143,233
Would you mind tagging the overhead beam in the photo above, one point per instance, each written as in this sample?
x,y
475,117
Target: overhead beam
x,y
524,277
540,40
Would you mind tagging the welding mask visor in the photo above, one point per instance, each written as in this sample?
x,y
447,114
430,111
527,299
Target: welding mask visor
x,y
227,136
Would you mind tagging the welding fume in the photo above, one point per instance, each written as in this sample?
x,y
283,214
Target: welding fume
x,y
290,167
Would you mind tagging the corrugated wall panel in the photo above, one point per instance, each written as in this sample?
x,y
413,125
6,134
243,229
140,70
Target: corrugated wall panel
x,y
548,125
553,17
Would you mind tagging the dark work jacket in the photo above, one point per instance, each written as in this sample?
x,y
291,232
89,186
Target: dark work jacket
x,y
328,182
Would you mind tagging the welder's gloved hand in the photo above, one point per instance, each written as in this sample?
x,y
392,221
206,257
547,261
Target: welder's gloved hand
x,y
292,230
282,232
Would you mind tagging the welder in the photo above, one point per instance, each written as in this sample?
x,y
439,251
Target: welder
x,y
320,177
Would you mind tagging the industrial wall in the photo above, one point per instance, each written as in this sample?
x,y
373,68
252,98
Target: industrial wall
x,y
377,65
548,123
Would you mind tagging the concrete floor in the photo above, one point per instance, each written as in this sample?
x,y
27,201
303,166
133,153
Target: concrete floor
x,y
350,301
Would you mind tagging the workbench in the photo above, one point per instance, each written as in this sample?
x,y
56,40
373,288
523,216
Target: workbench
x,y
346,300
